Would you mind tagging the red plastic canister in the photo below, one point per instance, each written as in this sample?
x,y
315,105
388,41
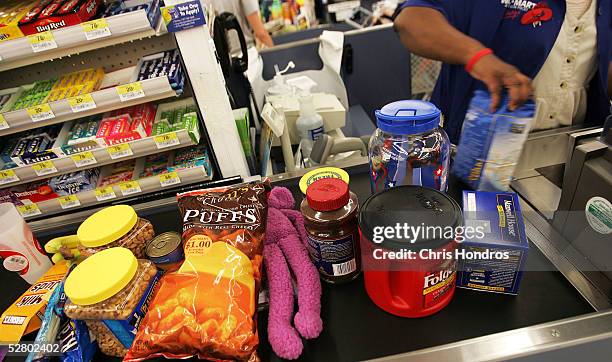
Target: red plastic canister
x,y
408,243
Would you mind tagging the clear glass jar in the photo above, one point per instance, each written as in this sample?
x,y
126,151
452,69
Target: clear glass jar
x,y
409,147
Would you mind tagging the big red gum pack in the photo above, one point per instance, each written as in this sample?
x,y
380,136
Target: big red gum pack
x,y
55,14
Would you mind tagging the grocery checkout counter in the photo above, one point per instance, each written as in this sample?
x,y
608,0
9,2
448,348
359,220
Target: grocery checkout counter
x,y
558,315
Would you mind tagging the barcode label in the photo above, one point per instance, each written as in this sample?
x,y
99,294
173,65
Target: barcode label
x,y
13,320
344,268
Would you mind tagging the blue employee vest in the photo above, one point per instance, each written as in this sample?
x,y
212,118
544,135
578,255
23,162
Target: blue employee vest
x,y
522,33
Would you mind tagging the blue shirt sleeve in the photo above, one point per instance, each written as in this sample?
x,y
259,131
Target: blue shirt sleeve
x,y
442,6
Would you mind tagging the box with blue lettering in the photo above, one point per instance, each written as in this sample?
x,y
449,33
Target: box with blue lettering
x,y
493,255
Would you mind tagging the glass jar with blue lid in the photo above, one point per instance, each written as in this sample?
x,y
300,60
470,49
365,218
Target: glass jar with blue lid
x,y
409,147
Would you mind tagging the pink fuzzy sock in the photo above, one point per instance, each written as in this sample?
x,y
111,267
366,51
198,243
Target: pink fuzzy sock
x,y
283,338
308,318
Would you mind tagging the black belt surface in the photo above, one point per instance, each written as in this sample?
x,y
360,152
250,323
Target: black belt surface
x,y
355,329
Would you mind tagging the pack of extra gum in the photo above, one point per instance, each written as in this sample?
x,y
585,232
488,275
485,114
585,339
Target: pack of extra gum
x,y
491,143
167,63
25,314
127,124
494,262
176,119
151,7
55,14
33,146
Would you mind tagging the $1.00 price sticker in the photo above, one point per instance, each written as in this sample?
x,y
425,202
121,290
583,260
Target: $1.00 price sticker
x,y
29,210
41,42
44,168
96,29
169,179
105,193
70,201
3,123
81,103
128,92
41,112
129,188
84,159
167,140
120,151
7,177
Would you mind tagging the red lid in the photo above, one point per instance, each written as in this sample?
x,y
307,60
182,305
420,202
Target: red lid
x,y
327,194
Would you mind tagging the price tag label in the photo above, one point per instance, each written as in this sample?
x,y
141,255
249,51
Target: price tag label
x,y
29,210
3,123
96,29
41,112
81,103
84,159
7,177
128,92
105,193
70,201
120,151
169,179
44,168
129,188
41,42
167,140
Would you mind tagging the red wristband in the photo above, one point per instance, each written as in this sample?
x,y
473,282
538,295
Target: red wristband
x,y
479,55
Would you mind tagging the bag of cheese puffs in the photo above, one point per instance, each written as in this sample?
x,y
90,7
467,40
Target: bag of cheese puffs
x,y
207,308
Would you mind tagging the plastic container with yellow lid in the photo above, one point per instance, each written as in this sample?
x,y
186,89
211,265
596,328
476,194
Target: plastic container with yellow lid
x,y
110,291
112,227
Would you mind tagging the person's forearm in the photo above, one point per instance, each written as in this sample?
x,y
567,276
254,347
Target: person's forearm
x,y
259,30
427,33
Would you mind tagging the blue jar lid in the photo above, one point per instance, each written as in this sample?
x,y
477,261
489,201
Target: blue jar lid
x,y
408,117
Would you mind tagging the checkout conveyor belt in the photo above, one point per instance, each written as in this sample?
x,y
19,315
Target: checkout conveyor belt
x,y
355,329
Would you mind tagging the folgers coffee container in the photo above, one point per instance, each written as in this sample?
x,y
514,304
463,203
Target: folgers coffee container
x,y
410,269
330,213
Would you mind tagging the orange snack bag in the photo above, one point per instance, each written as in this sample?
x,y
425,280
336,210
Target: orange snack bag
x,y
208,307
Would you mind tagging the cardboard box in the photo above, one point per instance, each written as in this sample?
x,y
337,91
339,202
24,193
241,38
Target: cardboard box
x,y
25,314
499,214
56,14
11,12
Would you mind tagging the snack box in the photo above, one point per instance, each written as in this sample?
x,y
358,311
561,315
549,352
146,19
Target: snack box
x,y
116,173
25,314
499,214
34,192
167,64
11,12
36,146
491,143
55,14
75,182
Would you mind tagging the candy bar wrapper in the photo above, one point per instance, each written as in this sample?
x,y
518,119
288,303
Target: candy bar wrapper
x,y
25,314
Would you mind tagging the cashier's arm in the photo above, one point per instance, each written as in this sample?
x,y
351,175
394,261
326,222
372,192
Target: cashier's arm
x,y
426,32
259,30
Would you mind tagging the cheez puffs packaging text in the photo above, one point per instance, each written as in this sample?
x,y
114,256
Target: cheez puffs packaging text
x,y
207,308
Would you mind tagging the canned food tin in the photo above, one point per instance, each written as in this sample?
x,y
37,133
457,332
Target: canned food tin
x,y
166,251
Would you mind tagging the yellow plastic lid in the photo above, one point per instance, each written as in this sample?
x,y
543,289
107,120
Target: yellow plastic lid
x,y
321,173
107,225
101,276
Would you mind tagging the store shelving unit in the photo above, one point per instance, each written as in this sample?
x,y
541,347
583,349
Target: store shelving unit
x,y
95,157
104,100
115,192
123,41
74,39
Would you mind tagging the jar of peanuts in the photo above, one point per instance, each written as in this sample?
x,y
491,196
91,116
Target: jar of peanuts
x,y
112,227
111,291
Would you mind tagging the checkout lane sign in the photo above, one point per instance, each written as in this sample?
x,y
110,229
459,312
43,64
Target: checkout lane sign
x,y
183,16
